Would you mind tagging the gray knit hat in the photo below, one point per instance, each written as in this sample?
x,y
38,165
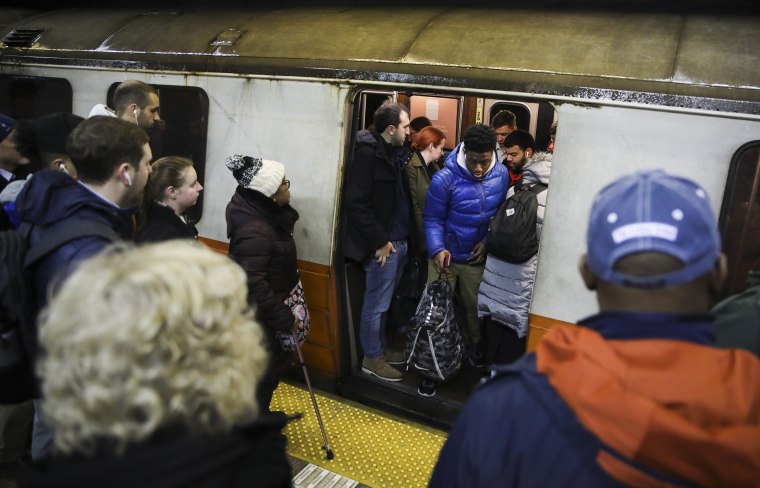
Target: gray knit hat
x,y
263,175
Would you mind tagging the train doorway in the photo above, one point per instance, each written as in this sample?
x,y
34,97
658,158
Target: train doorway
x,y
451,113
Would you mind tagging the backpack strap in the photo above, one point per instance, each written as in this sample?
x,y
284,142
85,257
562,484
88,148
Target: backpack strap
x,y
538,187
65,232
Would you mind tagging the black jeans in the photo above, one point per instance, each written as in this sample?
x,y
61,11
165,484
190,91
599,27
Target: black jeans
x,y
502,345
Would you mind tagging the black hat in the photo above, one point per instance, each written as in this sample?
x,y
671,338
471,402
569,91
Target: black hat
x,y
51,131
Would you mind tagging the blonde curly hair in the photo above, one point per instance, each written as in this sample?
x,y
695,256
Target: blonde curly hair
x,y
141,338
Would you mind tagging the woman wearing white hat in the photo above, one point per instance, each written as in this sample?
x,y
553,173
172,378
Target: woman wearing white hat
x,y
260,224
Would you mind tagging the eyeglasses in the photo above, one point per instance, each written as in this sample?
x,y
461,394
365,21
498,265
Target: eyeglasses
x,y
286,183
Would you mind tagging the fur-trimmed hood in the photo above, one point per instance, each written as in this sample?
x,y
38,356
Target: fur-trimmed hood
x,y
538,168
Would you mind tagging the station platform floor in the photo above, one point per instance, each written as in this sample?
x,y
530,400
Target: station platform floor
x,y
372,448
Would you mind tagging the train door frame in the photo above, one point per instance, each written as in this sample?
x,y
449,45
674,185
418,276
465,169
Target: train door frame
x,y
439,411
734,200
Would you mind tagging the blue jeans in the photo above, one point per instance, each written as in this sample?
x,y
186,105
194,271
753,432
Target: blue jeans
x,y
42,434
377,299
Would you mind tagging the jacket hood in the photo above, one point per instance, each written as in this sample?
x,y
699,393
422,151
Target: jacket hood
x,y
456,161
366,137
52,196
538,168
672,406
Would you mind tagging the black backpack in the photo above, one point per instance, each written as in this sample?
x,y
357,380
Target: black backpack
x,y
18,307
433,342
512,230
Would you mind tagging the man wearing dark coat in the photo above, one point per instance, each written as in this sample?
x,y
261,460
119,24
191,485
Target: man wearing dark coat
x,y
112,158
379,224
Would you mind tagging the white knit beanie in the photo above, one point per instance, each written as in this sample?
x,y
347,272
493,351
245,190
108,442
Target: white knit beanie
x,y
263,175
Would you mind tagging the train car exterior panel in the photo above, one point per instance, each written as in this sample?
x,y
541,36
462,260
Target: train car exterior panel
x,y
596,145
580,54
299,123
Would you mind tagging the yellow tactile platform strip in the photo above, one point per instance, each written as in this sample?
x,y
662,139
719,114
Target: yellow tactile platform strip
x,y
371,447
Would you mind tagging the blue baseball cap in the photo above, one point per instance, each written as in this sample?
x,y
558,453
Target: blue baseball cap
x,y
652,211
7,125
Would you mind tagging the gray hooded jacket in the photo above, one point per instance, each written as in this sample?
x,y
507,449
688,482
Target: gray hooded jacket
x,y
506,289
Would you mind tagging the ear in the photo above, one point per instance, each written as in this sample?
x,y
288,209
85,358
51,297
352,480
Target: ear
x,y
718,275
122,173
529,152
589,278
59,165
170,192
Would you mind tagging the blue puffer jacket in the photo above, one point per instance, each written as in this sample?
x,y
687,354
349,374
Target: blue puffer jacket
x,y
459,206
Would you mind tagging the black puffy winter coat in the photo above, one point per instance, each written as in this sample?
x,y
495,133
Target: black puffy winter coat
x,y
261,241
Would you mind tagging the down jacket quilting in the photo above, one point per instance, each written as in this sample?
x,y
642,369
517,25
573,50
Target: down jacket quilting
x,y
261,241
506,289
459,206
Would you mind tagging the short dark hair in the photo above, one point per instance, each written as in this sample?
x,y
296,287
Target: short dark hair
x,y
520,138
389,113
502,118
419,123
101,143
479,138
132,91
44,140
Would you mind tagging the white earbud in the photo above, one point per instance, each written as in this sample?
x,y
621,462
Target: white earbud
x,y
128,178
134,112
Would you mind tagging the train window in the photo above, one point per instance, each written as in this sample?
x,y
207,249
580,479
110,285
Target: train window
x,y
30,97
443,113
370,101
183,130
534,117
740,216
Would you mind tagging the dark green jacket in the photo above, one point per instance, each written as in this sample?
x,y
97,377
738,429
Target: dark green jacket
x,y
737,318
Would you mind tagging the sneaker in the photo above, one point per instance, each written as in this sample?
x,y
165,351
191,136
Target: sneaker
x,y
395,357
379,367
427,388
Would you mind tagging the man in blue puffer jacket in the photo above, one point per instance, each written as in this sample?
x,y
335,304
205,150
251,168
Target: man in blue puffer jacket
x,y
460,202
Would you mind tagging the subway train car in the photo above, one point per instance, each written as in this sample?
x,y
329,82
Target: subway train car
x,y
629,91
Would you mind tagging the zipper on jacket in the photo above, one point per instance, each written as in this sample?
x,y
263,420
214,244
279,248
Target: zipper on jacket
x,y
482,202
